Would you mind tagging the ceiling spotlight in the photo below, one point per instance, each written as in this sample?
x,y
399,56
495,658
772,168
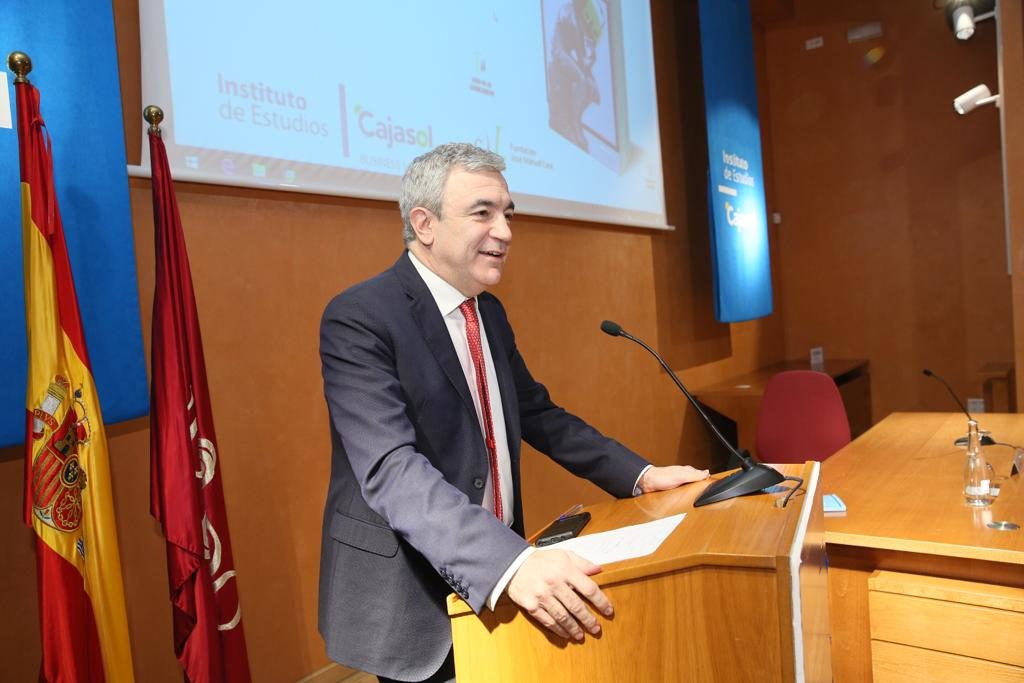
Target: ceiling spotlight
x,y
964,14
963,22
975,97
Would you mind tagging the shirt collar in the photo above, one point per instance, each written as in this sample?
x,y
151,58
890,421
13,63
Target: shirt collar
x,y
446,297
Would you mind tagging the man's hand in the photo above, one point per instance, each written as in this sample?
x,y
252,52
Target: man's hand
x,y
664,478
548,586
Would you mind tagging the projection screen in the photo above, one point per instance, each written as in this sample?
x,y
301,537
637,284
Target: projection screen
x,y
337,97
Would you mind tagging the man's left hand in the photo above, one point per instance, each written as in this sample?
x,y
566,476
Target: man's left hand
x,y
664,478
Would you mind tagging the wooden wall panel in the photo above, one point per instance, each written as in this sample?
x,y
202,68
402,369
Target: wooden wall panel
x,y
891,243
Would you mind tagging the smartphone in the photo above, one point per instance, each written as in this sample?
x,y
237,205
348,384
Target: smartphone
x,y
563,529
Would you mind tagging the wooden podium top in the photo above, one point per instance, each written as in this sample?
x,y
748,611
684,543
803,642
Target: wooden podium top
x,y
902,482
749,531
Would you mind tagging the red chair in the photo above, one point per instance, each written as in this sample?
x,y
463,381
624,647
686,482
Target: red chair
x,y
802,418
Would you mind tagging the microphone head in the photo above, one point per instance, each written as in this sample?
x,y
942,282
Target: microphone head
x,y
610,328
927,373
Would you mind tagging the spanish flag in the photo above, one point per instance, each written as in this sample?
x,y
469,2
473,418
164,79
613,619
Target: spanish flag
x,y
68,499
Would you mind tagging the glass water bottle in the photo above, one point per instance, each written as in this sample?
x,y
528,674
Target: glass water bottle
x,y
976,473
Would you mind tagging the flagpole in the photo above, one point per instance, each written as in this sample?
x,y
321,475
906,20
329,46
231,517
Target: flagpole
x,y
20,63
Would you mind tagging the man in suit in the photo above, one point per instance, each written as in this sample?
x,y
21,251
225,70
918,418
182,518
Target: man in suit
x,y
429,400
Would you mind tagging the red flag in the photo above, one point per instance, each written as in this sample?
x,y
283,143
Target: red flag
x,y
186,494
68,501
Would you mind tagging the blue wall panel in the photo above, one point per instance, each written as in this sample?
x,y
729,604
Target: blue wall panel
x,y
74,59
739,227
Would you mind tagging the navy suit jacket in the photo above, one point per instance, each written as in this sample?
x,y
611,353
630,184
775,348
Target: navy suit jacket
x,y
403,525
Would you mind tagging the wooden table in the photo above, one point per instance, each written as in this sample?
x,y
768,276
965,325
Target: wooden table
x,y
719,600
739,398
920,587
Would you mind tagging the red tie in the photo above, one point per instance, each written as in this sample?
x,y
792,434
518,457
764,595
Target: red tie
x,y
477,354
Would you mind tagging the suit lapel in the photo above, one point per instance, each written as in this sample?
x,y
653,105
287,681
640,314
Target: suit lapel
x,y
431,324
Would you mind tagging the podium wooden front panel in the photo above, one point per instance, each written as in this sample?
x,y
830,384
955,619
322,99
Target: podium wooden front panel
x,y
714,603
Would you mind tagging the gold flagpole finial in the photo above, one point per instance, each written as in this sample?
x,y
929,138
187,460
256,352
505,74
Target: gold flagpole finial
x,y
20,64
153,115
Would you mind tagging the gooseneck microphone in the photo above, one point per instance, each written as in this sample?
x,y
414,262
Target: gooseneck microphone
x,y
752,477
986,440
929,373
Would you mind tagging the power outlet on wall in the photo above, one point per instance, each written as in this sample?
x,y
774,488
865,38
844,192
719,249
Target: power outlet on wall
x,y
975,405
817,358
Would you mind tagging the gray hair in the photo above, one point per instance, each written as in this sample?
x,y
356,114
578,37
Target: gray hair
x,y
424,180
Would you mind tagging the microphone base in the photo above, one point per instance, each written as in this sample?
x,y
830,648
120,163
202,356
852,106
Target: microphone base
x,y
740,483
986,440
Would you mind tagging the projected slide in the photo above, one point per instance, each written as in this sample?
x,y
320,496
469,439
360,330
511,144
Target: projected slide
x,y
586,96
338,97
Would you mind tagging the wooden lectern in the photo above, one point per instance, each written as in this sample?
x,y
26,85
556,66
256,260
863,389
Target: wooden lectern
x,y
738,592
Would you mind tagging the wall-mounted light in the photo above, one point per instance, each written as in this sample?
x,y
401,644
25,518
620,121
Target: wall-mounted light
x,y
975,97
964,14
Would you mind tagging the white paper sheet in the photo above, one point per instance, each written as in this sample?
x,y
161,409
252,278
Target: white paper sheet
x,y
624,543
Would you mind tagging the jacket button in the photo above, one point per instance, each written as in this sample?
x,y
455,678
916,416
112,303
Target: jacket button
x,y
478,483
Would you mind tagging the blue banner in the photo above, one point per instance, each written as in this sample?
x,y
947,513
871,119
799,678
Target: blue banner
x,y
736,203
74,60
